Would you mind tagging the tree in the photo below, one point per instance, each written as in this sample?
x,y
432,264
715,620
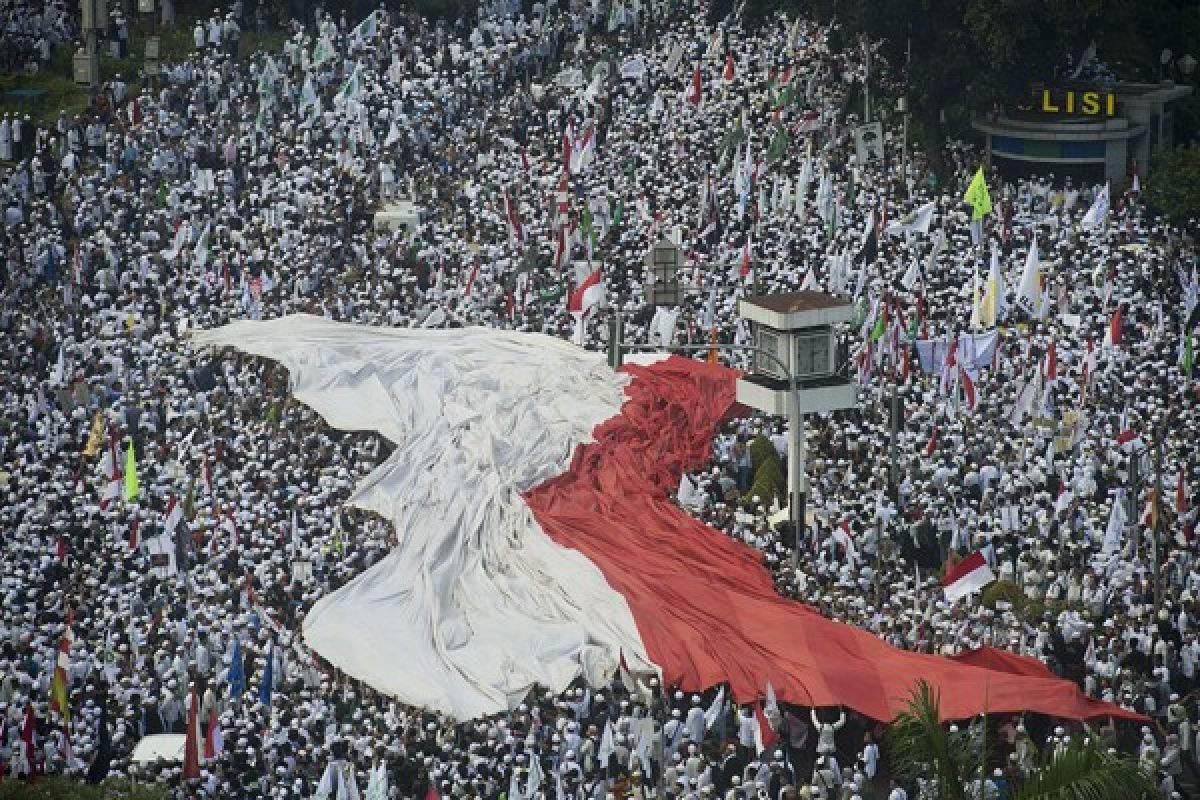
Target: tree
x,y
981,53
1173,189
921,748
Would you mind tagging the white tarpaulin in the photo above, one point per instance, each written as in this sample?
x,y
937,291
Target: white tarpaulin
x,y
477,602
159,747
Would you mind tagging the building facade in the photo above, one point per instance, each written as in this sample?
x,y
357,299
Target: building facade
x,y
1095,133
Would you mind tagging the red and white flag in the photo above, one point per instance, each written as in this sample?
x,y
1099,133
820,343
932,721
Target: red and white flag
x,y
968,387
744,270
696,94
1050,364
968,576
764,735
568,144
471,280
1129,440
583,300
1112,336
727,75
588,455
512,220
583,148
191,742
214,742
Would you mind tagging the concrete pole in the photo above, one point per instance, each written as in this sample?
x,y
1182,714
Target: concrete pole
x,y
91,45
1158,508
797,471
893,464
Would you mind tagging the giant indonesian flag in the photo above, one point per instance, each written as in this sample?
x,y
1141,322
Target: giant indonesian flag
x,y
531,488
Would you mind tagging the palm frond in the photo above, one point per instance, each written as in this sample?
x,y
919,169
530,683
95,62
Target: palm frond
x,y
1086,771
921,748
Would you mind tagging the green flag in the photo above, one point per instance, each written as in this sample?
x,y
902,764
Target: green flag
x,y
552,294
778,146
585,225
860,312
322,52
977,196
618,212
1187,359
733,138
880,325
131,478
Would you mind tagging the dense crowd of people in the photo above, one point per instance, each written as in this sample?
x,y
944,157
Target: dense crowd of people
x,y
1057,441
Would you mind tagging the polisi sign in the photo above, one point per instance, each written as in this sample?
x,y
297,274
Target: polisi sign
x,y
1074,102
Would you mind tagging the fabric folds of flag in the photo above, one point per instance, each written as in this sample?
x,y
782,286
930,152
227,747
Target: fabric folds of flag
x,y
132,488
578,506
60,685
192,743
970,575
977,196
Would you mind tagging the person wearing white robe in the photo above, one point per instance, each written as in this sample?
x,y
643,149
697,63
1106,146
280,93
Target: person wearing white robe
x,y
6,140
338,782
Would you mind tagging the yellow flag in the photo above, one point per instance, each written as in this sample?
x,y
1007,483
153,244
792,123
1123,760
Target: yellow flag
x,y
96,437
977,196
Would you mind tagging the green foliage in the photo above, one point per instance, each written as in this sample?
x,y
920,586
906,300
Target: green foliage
x,y
761,451
921,747
977,53
1173,189
1087,771
57,77
1006,591
769,483
59,788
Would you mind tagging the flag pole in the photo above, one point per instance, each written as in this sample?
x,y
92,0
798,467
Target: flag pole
x,y
1157,511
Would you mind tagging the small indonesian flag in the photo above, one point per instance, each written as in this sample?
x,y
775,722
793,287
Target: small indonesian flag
x,y
214,742
1129,441
968,386
728,74
931,448
764,736
695,95
1112,336
969,576
745,269
1050,367
587,295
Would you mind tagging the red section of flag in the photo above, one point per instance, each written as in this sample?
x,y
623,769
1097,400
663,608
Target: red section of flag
x,y
721,620
191,751
964,567
695,94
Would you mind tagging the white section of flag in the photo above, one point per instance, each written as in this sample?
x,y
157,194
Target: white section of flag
x,y
476,600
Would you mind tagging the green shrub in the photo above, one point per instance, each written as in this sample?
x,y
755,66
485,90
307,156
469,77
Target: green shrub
x,y
1006,591
769,484
1173,189
761,451
58,788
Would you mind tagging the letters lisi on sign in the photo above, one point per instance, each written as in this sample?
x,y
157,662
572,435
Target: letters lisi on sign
x,y
1075,102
